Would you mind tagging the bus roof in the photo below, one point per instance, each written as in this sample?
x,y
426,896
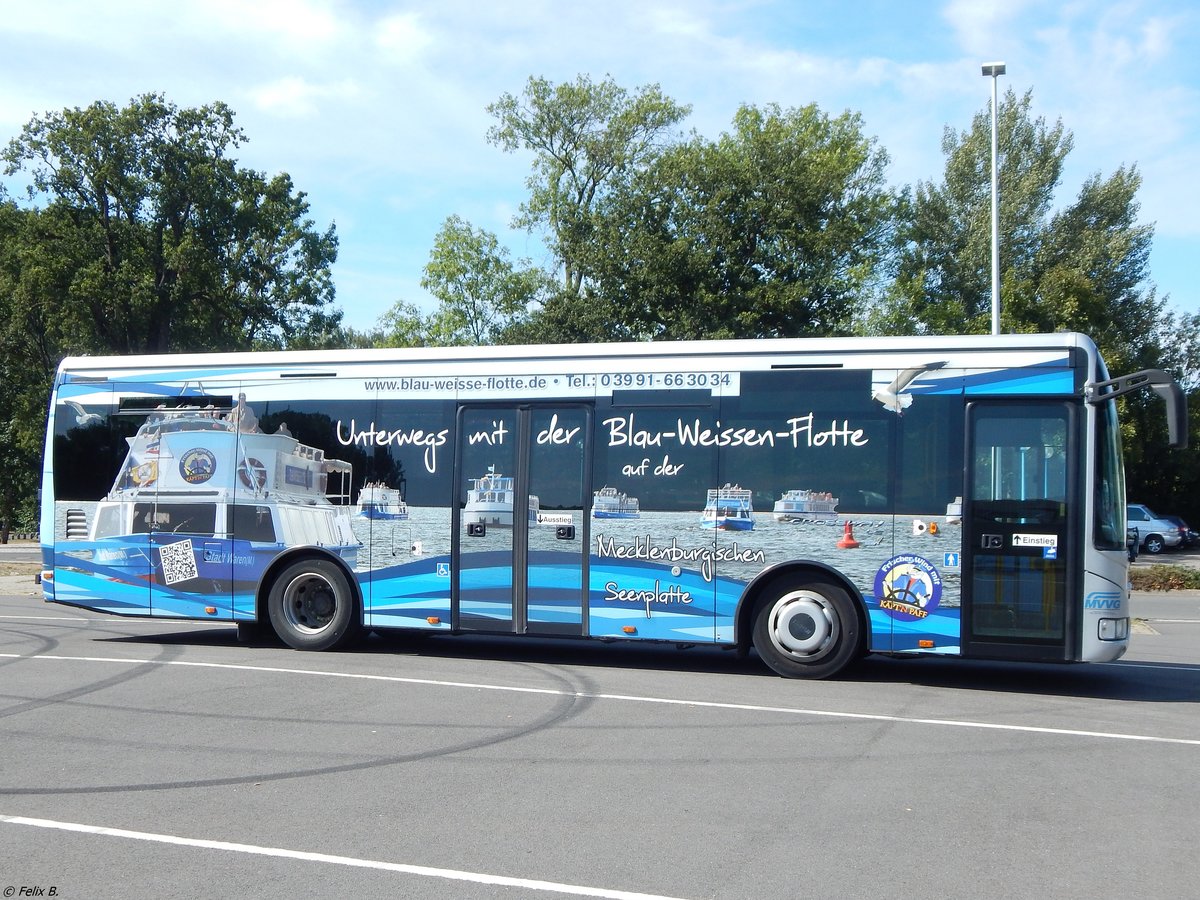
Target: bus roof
x,y
837,346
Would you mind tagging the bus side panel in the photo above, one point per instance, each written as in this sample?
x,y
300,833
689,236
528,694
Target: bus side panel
x,y
400,442
657,601
411,595
832,474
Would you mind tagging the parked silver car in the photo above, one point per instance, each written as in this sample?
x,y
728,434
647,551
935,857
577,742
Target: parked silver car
x,y
1188,537
1154,532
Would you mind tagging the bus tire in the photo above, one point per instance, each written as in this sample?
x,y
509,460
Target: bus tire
x,y
311,605
807,628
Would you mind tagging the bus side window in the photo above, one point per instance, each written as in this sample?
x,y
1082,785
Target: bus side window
x,y
251,523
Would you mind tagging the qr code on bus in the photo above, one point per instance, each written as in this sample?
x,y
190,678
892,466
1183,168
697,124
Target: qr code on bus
x,y
178,562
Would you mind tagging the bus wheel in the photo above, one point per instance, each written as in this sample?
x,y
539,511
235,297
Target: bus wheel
x,y
312,606
806,629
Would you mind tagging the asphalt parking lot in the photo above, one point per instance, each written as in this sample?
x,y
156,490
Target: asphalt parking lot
x,y
153,758
1188,556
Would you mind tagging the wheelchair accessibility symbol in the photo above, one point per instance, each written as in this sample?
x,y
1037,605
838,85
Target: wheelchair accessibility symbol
x,y
443,570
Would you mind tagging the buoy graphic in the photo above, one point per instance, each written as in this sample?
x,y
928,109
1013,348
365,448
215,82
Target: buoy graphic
x,y
848,542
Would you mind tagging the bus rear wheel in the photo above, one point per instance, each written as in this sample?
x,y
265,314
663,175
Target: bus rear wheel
x,y
806,628
311,606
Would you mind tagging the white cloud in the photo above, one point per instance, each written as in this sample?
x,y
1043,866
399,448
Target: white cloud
x,y
295,97
403,36
984,27
301,25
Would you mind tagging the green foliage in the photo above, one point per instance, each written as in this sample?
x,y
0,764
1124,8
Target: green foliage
x,y
26,366
141,234
1081,268
479,289
154,240
481,293
566,319
582,134
773,230
404,325
943,277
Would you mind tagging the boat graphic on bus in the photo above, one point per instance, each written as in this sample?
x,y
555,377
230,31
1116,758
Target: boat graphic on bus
x,y
378,501
490,501
609,503
797,505
728,508
191,481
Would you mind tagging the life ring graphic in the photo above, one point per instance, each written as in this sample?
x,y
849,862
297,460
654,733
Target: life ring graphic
x,y
253,474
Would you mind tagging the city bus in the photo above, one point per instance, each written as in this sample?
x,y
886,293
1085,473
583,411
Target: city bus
x,y
810,500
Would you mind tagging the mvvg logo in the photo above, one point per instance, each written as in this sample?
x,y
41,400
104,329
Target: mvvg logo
x,y
1103,600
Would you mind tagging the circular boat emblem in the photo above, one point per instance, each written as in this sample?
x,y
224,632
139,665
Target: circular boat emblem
x,y
908,587
197,466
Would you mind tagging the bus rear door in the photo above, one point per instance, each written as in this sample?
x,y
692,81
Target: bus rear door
x,y
520,519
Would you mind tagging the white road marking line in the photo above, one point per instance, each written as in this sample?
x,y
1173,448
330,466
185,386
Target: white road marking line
x,y
51,618
186,623
627,698
426,871
1174,667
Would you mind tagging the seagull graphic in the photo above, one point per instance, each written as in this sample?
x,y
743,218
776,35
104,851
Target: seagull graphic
x,y
82,416
894,396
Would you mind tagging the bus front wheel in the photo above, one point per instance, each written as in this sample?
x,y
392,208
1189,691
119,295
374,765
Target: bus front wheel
x,y
311,605
806,628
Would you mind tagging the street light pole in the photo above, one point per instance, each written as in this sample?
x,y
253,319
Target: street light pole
x,y
995,70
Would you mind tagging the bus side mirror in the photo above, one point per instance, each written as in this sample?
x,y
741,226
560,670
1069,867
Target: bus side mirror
x,y
1159,382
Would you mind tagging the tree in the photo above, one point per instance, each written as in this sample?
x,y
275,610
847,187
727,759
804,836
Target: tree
x,y
943,281
143,235
481,292
1084,267
583,135
168,244
1090,273
26,367
772,230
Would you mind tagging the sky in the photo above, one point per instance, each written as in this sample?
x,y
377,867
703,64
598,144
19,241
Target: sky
x,y
377,109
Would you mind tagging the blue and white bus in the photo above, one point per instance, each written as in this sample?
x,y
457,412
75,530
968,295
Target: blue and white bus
x,y
961,496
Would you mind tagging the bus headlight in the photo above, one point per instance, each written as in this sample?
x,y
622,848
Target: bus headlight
x,y
1114,629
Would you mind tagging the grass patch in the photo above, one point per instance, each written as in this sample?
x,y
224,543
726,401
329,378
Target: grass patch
x,y
1165,578
20,568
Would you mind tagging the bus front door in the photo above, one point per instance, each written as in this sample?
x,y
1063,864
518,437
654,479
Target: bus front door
x,y
520,522
1018,541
